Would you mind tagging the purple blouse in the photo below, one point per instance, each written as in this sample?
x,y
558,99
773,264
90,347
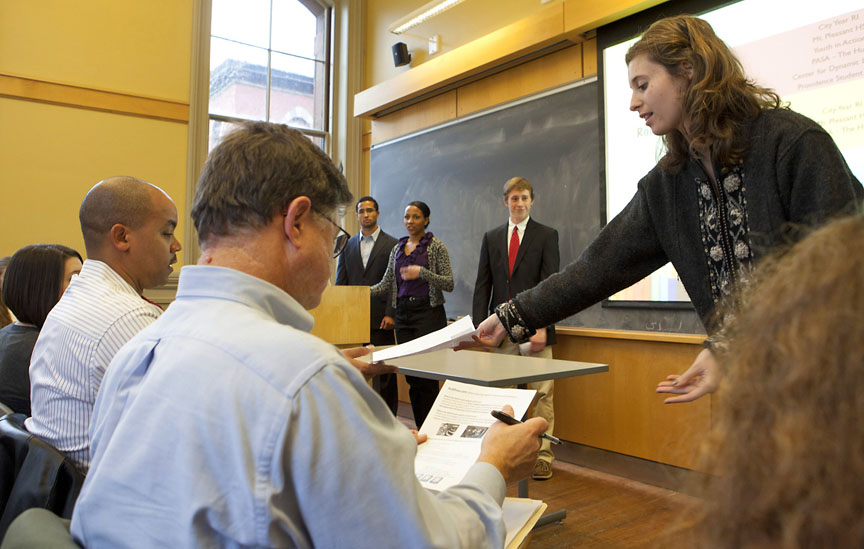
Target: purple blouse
x,y
420,256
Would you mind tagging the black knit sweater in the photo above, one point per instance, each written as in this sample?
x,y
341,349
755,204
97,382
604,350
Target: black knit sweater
x,y
793,175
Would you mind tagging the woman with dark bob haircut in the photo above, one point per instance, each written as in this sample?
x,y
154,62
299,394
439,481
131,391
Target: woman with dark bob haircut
x,y
741,176
5,317
418,272
35,279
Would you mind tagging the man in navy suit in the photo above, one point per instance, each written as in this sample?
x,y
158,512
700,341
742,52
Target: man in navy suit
x,y
363,263
514,257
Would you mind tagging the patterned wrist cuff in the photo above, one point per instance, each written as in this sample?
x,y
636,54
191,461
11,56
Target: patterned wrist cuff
x,y
716,344
513,322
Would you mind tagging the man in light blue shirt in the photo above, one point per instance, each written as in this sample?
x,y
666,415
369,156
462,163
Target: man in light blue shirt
x,y
225,423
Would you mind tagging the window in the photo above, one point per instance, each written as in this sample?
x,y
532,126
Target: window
x,y
270,60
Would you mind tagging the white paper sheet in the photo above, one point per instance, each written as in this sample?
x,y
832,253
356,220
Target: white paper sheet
x,y
517,511
445,338
456,425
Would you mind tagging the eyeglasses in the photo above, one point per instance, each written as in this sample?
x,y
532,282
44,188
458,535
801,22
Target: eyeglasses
x,y
341,239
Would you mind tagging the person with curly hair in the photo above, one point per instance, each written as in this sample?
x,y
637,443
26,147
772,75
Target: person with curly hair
x,y
786,450
741,175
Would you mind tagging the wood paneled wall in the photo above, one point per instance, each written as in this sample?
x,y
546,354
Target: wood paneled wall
x,y
619,410
54,93
541,74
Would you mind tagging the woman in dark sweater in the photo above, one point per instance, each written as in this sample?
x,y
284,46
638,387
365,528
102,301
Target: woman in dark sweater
x,y
35,279
417,275
741,176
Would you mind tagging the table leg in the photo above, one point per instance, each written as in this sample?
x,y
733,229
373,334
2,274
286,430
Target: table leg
x,y
549,518
522,491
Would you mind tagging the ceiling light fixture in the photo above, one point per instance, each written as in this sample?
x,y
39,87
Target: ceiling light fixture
x,y
421,14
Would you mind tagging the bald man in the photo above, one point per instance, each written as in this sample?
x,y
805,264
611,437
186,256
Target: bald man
x,y
128,226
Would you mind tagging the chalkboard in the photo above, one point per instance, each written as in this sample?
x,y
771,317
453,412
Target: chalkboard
x,y
459,169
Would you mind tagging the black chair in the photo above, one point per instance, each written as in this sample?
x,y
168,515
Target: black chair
x,y
37,529
33,474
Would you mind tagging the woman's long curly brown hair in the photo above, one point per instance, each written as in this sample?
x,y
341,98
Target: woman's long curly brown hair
x,y
719,100
787,443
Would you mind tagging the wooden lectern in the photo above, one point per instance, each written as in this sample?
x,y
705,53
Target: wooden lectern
x,y
342,318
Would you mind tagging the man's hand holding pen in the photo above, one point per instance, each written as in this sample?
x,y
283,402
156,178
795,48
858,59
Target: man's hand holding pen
x,y
513,449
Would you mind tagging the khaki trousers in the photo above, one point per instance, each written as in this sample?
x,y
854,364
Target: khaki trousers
x,y
542,405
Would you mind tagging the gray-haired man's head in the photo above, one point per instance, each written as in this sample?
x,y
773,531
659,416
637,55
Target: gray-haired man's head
x,y
255,173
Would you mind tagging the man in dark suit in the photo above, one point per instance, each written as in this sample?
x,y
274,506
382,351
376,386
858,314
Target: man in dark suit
x,y
363,263
514,257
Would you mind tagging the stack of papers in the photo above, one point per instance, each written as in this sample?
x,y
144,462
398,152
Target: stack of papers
x,y
520,516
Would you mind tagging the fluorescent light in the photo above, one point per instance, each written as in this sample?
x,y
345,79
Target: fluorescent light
x,y
422,14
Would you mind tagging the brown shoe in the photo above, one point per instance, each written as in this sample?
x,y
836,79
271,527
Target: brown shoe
x,y
542,470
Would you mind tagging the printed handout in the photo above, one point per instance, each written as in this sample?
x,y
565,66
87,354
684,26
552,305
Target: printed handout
x,y
456,425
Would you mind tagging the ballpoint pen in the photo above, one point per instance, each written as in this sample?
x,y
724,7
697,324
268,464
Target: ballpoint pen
x,y
510,420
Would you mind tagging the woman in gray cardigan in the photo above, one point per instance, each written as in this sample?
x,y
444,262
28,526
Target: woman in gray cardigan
x,y
741,176
417,275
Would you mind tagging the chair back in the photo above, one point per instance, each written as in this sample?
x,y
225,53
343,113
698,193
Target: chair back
x,y
5,410
38,528
33,474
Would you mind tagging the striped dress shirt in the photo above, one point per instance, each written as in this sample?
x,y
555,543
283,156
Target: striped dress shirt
x,y
97,314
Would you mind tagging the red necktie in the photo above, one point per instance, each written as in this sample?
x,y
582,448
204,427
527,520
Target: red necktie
x,y
514,248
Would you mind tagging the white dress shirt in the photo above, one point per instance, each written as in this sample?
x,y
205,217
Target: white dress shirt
x,y
97,314
226,424
366,245
521,226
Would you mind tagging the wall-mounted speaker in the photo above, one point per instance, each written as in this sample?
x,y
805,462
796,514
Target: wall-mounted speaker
x,y
401,55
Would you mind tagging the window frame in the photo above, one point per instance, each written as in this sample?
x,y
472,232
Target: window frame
x,y
343,144
326,15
